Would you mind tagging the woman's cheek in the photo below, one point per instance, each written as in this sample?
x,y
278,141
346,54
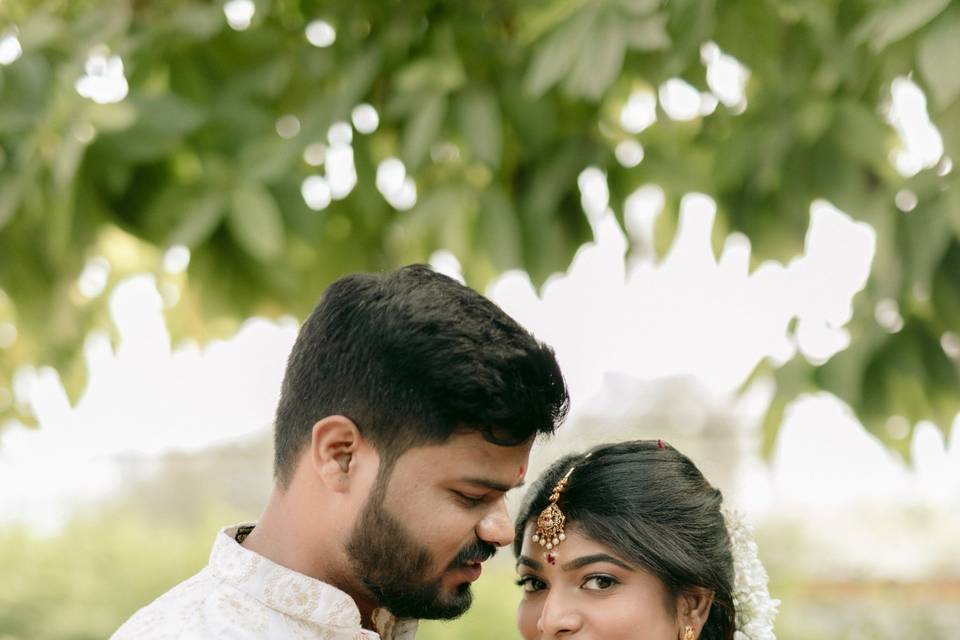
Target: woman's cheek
x,y
613,618
629,615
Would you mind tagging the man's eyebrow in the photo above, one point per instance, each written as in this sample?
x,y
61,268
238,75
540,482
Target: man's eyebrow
x,y
493,484
583,561
529,562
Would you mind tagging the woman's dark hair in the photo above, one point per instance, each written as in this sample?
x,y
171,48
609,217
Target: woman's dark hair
x,y
412,356
653,507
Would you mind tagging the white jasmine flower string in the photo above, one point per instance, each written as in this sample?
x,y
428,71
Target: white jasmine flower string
x,y
756,610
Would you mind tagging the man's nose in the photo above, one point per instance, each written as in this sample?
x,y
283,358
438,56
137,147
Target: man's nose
x,y
496,526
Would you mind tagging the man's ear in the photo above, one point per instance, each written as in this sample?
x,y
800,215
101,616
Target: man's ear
x,y
693,609
334,443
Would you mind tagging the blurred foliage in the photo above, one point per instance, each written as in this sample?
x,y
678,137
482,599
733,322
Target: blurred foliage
x,y
82,583
495,107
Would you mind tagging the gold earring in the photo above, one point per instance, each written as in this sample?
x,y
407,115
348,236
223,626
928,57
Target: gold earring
x,y
688,633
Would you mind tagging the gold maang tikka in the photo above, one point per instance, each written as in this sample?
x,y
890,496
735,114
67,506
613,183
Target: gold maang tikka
x,y
549,533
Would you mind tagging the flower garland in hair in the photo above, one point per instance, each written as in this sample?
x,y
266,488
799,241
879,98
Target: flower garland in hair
x,y
756,610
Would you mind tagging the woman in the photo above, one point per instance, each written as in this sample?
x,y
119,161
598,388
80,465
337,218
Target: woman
x,y
628,542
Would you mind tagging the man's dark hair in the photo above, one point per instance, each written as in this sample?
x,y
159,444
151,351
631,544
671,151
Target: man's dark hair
x,y
412,356
652,507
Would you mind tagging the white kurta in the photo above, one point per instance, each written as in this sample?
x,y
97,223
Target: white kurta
x,y
241,595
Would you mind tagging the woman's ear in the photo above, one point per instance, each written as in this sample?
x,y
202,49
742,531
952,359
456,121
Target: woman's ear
x,y
693,609
334,443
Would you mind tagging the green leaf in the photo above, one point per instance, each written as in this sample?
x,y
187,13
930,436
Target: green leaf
x,y
29,80
860,132
199,220
945,292
16,119
435,75
558,52
938,58
480,123
255,222
649,34
888,25
842,375
198,21
101,22
639,7
498,230
422,129
358,78
813,117
10,193
268,159
600,60
59,226
951,208
64,164
266,80
110,118
924,236
161,124
910,376
40,30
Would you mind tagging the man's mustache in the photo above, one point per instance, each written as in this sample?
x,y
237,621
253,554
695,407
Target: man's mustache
x,y
478,551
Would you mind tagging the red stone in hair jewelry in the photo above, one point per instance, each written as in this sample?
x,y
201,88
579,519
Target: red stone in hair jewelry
x,y
660,444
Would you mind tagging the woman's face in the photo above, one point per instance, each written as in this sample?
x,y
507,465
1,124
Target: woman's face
x,y
589,592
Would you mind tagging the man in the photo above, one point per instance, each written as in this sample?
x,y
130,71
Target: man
x,y
408,409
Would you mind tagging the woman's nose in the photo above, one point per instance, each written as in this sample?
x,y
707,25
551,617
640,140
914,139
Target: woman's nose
x,y
559,617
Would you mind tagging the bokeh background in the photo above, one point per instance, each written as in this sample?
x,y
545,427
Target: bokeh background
x,y
737,222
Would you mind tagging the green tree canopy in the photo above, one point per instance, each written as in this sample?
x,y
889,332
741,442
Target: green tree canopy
x,y
494,108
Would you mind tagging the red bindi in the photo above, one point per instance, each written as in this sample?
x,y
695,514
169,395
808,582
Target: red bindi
x,y
552,558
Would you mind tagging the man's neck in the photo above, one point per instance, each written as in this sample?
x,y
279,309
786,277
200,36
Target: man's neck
x,y
284,536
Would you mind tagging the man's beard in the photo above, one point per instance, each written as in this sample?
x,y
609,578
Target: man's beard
x,y
394,568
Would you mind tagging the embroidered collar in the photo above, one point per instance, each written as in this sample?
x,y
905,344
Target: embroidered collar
x,y
292,593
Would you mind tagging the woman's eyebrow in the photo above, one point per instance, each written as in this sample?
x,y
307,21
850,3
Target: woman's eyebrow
x,y
529,562
583,561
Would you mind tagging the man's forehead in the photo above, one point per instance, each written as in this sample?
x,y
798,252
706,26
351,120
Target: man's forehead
x,y
470,455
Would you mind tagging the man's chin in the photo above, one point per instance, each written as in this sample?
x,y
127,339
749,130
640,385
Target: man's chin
x,y
455,603
451,598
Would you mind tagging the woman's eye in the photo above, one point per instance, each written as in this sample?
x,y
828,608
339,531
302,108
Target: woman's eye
x,y
600,583
531,584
